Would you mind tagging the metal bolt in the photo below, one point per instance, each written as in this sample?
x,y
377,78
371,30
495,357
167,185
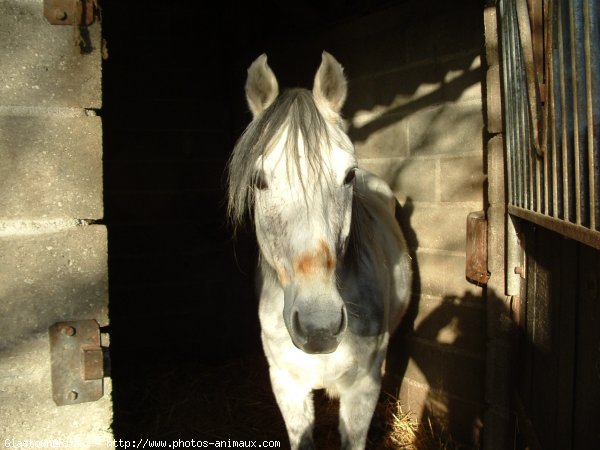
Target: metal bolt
x,y
60,14
72,396
519,270
67,330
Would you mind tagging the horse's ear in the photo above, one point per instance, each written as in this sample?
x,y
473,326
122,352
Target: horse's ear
x,y
261,86
330,88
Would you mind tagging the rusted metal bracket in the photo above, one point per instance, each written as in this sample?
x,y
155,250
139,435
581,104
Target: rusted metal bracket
x,y
476,269
77,362
70,12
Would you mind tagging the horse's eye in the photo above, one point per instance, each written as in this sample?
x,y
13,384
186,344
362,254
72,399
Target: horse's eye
x,y
350,177
259,181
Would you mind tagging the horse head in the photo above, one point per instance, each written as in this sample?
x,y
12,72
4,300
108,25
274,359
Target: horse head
x,y
295,166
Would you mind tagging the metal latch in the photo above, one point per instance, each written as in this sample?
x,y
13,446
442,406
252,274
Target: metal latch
x,y
77,360
70,12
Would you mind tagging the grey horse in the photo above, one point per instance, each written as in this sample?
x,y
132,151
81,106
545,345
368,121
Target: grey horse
x,y
334,272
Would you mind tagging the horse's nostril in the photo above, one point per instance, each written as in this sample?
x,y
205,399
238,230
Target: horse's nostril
x,y
296,325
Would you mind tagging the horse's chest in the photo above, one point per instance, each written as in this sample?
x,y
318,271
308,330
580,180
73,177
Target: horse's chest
x,y
334,370
320,371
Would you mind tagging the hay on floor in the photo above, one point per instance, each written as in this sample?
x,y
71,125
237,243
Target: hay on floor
x,y
233,400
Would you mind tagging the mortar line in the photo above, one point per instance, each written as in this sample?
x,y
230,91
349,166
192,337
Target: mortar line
x,y
54,111
25,227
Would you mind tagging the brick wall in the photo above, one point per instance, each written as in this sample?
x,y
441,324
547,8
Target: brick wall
x,y
52,251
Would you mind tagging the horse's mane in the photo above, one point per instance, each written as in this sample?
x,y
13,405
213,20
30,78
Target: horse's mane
x,y
295,111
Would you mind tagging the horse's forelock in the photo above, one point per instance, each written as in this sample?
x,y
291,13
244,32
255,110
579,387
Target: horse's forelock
x,y
295,111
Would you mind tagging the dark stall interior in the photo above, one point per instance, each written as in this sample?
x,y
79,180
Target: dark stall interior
x,y
185,348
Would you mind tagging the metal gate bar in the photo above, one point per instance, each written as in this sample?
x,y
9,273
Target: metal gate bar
x,y
552,114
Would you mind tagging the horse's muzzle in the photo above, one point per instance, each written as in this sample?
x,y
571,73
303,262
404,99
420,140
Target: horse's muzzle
x,y
318,331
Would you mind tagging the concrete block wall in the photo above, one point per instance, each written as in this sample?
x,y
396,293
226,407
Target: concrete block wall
x,y
52,253
421,129
499,426
428,145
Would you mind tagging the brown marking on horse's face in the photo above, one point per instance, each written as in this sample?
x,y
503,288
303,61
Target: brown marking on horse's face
x,y
321,261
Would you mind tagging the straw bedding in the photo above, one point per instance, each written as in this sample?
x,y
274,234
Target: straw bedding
x,y
233,400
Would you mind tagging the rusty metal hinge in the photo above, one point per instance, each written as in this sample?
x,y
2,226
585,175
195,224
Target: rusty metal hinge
x,y
477,245
70,12
77,360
